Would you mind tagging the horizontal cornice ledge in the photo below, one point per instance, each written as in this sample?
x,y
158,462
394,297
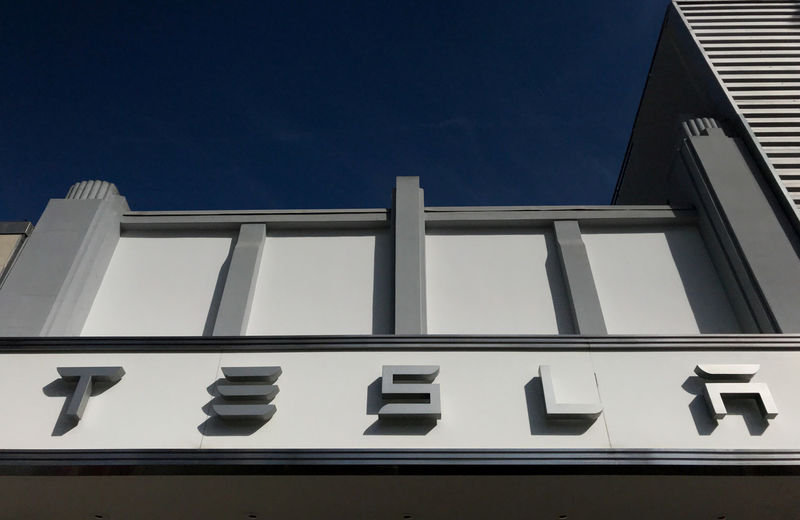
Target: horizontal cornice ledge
x,y
463,461
144,344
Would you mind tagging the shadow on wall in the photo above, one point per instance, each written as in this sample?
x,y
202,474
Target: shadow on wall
x,y
382,285
706,424
537,415
65,389
216,298
392,426
704,290
558,288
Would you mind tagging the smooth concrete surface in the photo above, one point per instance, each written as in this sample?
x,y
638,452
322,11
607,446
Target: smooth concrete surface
x,y
491,281
730,265
51,287
82,282
324,282
240,283
408,224
161,284
495,282
657,281
587,314
763,235
330,400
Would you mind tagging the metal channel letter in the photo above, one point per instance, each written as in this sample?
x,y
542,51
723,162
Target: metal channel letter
x,y
247,393
410,389
556,410
738,372
85,377
715,392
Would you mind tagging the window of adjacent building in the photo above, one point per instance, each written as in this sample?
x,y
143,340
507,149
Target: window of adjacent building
x,y
161,284
657,281
324,283
489,282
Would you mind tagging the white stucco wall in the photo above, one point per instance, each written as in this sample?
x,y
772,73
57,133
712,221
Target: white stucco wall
x,y
649,280
494,283
324,283
657,281
161,285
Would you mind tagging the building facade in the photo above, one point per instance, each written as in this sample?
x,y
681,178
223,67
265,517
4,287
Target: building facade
x,y
423,362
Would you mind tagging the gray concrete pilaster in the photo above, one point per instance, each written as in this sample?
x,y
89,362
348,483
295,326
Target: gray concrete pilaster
x,y
408,222
237,296
759,238
52,286
587,315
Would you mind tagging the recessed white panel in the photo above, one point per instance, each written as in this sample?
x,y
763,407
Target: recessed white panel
x,y
324,283
494,283
657,281
161,285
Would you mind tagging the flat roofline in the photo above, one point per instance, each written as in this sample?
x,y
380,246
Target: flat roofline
x,y
429,209
442,217
253,212
631,207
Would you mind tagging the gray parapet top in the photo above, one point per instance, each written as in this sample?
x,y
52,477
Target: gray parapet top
x,y
85,190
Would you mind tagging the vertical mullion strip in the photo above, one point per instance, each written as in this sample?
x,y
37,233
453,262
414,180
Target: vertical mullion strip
x,y
587,315
408,220
237,296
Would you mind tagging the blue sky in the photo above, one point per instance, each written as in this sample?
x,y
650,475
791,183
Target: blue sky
x,y
269,105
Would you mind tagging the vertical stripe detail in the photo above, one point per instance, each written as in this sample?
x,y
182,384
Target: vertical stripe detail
x,y
237,296
587,315
408,222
